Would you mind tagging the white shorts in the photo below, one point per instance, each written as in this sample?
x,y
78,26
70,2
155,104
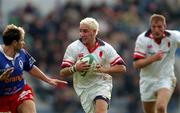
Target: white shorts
x,y
89,94
149,88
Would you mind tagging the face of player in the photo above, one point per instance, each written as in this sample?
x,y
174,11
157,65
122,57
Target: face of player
x,y
19,45
157,28
87,35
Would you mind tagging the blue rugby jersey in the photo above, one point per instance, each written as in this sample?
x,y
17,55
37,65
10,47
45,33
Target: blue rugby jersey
x,y
15,82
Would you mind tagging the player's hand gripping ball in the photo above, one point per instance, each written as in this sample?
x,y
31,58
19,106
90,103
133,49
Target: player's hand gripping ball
x,y
89,59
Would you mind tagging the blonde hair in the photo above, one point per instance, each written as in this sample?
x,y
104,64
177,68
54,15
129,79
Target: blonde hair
x,y
11,27
91,22
157,17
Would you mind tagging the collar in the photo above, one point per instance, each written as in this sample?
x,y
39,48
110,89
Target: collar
x,y
9,58
158,41
99,42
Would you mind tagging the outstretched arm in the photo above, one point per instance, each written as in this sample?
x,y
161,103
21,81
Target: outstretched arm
x,y
36,72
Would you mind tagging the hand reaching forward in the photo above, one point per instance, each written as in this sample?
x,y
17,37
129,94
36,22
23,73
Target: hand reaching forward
x,y
56,82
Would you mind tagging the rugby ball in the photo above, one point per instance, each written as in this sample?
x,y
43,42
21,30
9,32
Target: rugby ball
x,y
90,59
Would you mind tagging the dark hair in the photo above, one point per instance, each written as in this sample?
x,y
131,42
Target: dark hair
x,y
12,33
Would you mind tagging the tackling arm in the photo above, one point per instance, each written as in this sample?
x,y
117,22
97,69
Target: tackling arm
x,y
36,72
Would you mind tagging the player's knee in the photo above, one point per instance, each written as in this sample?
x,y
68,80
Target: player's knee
x,y
101,111
161,108
26,111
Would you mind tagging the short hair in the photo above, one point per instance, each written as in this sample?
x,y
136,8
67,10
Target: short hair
x,y
91,22
157,17
11,33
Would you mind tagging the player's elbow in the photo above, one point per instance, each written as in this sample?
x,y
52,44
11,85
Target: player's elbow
x,y
123,69
62,74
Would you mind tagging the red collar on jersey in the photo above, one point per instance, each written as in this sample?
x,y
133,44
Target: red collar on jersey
x,y
158,41
99,42
94,48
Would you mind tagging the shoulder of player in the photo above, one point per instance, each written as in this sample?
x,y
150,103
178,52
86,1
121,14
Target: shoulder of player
x,y
172,33
75,43
143,35
23,51
75,46
106,45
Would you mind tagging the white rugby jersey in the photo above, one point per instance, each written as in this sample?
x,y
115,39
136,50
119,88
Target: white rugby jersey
x,y
104,53
146,46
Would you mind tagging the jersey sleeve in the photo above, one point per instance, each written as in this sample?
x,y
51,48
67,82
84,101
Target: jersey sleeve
x,y
113,57
29,61
69,57
140,48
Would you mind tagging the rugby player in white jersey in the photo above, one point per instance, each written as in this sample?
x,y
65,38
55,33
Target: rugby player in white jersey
x,y
155,57
94,89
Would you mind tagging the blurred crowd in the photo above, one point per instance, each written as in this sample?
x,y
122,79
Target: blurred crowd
x,y
48,36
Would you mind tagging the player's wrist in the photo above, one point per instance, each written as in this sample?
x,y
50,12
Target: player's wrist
x,y
153,59
72,69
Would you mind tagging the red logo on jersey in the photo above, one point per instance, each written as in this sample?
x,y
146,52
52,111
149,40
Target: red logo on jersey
x,y
149,46
100,54
168,44
81,55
